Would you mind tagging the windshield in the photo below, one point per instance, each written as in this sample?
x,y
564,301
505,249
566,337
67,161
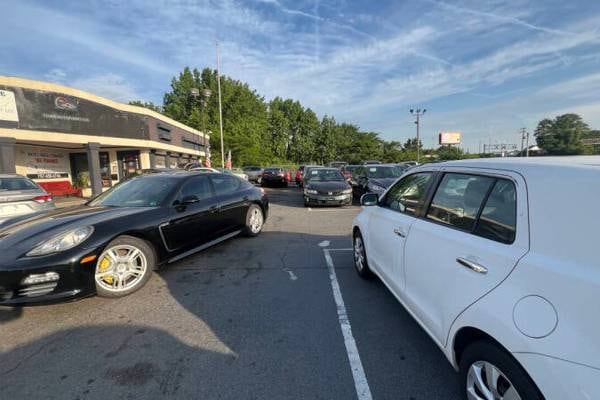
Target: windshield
x,y
137,192
17,184
382,172
321,175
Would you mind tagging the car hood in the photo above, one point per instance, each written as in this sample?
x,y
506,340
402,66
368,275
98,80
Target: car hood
x,y
327,186
383,182
27,233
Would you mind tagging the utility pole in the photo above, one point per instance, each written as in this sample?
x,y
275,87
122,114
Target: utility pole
x,y
220,110
418,113
524,137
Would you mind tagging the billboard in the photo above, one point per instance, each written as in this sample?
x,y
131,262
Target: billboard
x,y
449,138
57,112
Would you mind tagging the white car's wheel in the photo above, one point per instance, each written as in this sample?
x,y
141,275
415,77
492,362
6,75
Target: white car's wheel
x,y
489,373
124,266
360,256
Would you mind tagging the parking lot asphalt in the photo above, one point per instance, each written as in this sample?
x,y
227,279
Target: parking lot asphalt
x,y
252,318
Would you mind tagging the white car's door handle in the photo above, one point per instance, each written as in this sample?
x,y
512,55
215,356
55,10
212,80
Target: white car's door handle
x,y
400,232
472,265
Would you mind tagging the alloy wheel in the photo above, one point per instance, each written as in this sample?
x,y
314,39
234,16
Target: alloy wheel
x,y
485,381
359,254
120,268
256,220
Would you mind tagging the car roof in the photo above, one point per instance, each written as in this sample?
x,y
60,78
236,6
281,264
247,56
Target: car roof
x,y
12,176
526,164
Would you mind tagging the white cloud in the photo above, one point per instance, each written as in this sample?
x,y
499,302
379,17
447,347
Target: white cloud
x,y
110,85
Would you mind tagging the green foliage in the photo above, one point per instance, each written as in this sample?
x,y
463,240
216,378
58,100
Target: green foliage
x,y
450,153
146,104
280,132
562,135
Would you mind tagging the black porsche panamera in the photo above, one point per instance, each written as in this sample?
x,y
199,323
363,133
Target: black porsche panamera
x,y
111,245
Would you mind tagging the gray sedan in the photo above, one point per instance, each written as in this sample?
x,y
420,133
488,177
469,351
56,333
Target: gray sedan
x,y
20,196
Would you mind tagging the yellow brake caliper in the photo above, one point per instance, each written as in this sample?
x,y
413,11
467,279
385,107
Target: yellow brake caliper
x,y
103,266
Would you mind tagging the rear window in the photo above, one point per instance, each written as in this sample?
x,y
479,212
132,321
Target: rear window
x,y
483,205
225,184
458,200
273,170
17,184
498,219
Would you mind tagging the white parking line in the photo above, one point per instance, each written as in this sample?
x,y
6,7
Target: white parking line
x,y
358,374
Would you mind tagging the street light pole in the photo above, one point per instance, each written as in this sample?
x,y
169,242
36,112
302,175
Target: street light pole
x,y
220,110
418,113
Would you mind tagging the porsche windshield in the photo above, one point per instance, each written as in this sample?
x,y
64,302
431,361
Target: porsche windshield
x,y
137,192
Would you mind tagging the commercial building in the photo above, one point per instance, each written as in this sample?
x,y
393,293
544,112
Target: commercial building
x,y
52,133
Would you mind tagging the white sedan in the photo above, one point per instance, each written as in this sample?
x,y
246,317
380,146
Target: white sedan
x,y
497,260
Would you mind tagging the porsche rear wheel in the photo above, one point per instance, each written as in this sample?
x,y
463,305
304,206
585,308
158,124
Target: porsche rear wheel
x,y
124,267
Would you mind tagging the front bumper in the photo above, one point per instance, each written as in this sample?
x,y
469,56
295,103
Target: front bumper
x,y
558,379
328,200
75,280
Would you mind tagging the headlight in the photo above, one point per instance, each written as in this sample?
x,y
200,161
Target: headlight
x,y
347,191
64,241
310,191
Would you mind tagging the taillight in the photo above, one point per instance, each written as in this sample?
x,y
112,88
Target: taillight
x,y
43,199
281,174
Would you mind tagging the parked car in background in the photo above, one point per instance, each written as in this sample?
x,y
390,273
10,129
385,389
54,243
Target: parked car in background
x,y
300,173
348,172
273,176
375,178
234,171
371,162
111,245
326,186
254,173
21,196
489,258
338,164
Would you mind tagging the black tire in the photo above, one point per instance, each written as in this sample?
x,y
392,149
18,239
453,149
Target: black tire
x,y
363,271
485,351
121,242
253,228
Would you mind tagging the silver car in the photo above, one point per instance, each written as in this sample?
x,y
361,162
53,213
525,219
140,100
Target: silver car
x,y
20,196
254,173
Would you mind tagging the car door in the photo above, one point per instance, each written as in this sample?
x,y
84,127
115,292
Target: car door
x,y
233,200
471,237
194,223
390,223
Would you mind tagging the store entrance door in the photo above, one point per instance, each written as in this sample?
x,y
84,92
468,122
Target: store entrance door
x,y
129,163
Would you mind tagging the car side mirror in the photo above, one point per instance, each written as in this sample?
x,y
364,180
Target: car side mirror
x,y
189,200
369,199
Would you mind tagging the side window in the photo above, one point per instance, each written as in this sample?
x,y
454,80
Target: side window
x,y
407,193
198,186
458,199
225,184
498,219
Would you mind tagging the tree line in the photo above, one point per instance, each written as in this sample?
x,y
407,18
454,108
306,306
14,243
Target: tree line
x,y
283,131
279,131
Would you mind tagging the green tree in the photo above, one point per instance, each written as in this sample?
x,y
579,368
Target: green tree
x,y
146,104
392,151
450,153
411,144
562,135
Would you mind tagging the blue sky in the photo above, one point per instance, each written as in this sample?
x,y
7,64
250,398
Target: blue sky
x,y
485,68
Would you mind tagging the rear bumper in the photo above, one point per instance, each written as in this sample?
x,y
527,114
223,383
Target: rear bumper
x,y
558,379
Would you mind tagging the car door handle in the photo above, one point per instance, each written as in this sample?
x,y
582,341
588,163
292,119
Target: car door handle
x,y
473,266
400,232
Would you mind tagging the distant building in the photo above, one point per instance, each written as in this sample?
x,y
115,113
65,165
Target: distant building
x,y
51,133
